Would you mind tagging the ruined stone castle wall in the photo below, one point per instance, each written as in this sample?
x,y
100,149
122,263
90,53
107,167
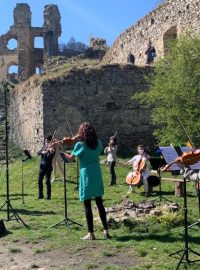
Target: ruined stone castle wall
x,y
26,116
167,21
100,95
28,57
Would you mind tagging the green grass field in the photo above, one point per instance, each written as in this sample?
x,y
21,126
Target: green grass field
x,y
145,245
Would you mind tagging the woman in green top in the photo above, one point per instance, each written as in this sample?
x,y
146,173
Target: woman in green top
x,y
88,150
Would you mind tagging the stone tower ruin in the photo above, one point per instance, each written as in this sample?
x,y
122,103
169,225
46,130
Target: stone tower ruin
x,y
25,56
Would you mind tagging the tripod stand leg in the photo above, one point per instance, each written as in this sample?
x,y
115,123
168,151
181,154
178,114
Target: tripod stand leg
x,y
74,222
66,220
59,223
185,256
3,205
14,213
181,259
194,224
17,217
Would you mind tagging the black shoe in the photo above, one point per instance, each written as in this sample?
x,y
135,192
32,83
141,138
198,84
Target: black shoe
x,y
112,184
48,198
40,197
107,236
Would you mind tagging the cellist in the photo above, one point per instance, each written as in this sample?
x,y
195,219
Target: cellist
x,y
141,156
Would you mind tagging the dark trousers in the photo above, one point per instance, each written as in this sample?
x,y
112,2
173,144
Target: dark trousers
x,y
43,173
89,215
112,172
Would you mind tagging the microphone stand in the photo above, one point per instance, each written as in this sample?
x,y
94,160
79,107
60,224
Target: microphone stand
x,y
185,251
7,202
67,221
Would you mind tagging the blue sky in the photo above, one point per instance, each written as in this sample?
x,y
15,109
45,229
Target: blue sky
x,y
83,19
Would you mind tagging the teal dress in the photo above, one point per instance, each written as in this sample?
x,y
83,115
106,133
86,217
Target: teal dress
x,y
90,182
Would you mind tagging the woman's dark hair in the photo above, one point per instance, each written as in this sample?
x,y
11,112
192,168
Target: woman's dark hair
x,y
88,135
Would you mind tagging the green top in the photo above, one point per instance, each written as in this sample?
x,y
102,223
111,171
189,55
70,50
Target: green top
x,y
91,182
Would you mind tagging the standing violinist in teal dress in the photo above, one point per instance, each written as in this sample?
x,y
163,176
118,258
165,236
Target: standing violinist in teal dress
x,y
88,150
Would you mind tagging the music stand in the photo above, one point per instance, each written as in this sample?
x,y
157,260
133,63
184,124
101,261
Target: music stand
x,y
185,251
156,164
67,221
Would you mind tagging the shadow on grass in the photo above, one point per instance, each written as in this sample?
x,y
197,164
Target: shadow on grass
x,y
17,195
5,234
31,213
159,238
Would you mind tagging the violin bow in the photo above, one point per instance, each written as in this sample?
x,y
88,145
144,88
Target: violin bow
x,y
53,136
181,124
69,127
115,135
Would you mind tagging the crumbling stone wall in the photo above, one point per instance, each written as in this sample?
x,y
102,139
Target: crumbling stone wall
x,y
100,95
27,116
25,55
167,21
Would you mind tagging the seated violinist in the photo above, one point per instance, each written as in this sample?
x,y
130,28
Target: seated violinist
x,y
183,162
140,166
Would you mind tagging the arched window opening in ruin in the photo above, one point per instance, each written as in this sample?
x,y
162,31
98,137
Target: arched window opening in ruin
x,y
13,69
38,42
13,72
38,70
169,35
12,44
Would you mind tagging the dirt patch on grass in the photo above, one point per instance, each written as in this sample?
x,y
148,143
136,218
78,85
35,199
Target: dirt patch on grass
x,y
22,255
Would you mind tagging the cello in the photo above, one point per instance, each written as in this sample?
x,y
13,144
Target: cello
x,y
134,178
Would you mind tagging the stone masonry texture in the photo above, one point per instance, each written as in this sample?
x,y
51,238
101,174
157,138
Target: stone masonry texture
x,y
168,20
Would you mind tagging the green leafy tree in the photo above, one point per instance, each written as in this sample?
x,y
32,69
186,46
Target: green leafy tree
x,y
175,92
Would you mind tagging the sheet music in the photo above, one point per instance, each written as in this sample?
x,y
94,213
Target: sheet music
x,y
170,154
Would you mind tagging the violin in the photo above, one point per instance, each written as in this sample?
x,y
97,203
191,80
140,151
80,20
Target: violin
x,y
67,141
187,158
71,140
